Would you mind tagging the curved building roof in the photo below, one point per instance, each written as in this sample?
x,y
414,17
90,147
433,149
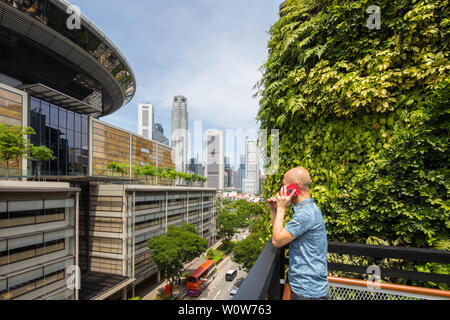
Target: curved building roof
x,y
46,46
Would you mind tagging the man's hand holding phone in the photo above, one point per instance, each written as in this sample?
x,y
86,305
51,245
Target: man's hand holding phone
x,y
284,198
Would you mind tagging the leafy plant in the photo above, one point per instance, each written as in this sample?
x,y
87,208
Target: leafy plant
x,y
39,154
14,144
366,112
119,167
178,246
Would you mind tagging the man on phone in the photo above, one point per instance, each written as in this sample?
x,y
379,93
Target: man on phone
x,y
305,233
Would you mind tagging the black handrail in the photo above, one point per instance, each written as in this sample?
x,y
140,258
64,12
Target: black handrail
x,y
404,253
264,279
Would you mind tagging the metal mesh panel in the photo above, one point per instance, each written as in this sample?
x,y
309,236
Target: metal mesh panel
x,y
346,292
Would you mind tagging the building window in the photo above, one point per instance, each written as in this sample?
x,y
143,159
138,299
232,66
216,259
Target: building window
x,y
65,133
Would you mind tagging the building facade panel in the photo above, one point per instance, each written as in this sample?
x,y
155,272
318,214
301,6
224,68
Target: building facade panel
x,y
11,110
109,144
144,151
37,240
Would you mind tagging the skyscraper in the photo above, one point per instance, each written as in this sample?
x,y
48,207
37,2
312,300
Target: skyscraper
x,y
251,182
214,158
180,132
146,118
241,170
158,134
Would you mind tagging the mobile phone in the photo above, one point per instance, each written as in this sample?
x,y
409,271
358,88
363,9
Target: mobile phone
x,y
293,187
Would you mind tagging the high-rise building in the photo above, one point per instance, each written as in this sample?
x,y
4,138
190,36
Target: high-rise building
x,y
146,119
251,181
180,132
195,166
241,170
228,172
158,134
214,151
236,179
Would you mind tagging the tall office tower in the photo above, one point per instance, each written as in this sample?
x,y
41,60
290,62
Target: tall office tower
x,y
235,179
251,181
228,172
214,166
241,170
195,166
146,118
180,132
158,134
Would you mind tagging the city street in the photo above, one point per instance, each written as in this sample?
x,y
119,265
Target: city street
x,y
220,289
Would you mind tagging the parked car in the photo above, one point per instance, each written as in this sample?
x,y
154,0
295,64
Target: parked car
x,y
233,292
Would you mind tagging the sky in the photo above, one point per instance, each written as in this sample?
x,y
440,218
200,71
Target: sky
x,y
209,51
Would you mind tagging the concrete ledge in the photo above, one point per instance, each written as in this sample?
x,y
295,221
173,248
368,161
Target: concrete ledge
x,y
35,186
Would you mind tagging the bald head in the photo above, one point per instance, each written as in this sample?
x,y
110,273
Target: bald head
x,y
300,176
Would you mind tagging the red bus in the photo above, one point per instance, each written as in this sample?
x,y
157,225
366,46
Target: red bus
x,y
200,279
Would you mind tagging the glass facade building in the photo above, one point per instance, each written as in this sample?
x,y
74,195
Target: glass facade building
x,y
63,131
82,85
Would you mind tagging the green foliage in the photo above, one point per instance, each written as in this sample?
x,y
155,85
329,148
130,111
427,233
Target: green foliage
x,y
366,112
151,171
246,252
178,246
14,144
227,224
118,167
39,154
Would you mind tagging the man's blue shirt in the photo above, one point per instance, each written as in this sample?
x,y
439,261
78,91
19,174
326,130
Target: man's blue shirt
x,y
308,269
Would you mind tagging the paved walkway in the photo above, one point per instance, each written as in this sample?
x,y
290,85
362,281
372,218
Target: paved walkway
x,y
151,292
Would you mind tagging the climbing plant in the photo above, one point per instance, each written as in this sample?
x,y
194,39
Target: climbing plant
x,y
366,112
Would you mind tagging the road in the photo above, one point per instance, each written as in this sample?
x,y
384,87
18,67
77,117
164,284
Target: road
x,y
220,289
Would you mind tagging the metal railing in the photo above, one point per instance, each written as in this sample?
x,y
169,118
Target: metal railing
x,y
266,278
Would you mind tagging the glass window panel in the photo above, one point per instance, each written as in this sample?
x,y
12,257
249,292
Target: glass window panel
x,y
35,104
70,139
63,149
62,118
70,120
84,124
2,247
78,140
61,203
25,277
45,112
84,141
2,206
56,235
24,241
77,122
55,267
14,206
35,123
54,117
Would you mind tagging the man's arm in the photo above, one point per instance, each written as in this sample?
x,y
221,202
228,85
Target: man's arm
x,y
280,236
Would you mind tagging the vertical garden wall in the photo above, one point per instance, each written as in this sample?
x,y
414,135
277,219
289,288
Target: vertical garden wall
x,y
366,110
